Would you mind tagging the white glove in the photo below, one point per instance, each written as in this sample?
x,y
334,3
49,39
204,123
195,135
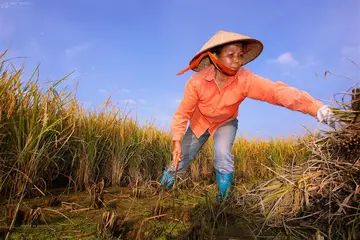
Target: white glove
x,y
325,115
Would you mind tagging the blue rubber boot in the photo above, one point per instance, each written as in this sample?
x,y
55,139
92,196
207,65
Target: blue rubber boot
x,y
167,179
224,183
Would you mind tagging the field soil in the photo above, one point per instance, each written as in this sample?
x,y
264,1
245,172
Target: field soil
x,y
132,213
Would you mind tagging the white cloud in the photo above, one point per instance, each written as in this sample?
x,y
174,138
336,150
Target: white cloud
x,y
129,101
178,100
287,59
125,90
75,50
102,91
142,101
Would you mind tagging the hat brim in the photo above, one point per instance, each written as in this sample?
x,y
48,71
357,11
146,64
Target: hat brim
x,y
255,48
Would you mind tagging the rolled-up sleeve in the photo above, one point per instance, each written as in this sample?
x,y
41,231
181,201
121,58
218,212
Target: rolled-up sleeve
x,y
184,111
280,94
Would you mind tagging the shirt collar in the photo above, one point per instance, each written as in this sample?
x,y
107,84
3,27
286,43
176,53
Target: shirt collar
x,y
210,73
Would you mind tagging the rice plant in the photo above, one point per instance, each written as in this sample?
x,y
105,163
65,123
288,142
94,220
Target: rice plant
x,y
47,139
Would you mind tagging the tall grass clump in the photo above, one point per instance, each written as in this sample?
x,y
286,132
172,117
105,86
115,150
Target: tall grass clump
x,y
251,155
34,131
321,195
48,140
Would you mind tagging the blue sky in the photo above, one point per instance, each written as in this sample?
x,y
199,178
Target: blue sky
x,y
132,50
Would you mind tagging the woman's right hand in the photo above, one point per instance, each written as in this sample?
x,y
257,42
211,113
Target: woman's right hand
x,y
176,153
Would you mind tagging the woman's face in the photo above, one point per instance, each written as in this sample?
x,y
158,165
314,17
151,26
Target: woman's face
x,y
232,55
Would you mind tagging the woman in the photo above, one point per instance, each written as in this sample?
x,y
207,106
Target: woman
x,y
211,100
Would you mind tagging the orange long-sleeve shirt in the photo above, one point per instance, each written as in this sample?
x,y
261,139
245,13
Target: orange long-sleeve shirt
x,y
208,107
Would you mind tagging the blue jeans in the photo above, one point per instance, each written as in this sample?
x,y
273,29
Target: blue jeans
x,y
223,141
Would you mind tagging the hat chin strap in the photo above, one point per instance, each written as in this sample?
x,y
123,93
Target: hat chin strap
x,y
218,64
221,66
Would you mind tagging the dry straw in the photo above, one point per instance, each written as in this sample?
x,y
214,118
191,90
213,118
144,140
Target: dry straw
x,y
323,193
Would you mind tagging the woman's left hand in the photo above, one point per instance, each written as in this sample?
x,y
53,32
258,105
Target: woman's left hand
x,y
325,114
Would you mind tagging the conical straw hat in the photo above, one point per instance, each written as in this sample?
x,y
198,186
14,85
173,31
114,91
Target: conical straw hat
x,y
254,47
